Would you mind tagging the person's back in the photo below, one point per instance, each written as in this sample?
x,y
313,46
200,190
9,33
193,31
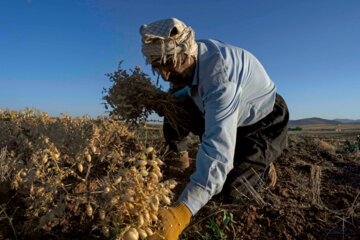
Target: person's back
x,y
255,92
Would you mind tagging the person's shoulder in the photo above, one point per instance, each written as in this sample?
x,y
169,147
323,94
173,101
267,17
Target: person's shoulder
x,y
211,63
211,47
216,44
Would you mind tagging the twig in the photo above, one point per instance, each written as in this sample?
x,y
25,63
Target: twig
x,y
316,182
258,176
270,194
349,212
9,219
88,171
253,192
2,167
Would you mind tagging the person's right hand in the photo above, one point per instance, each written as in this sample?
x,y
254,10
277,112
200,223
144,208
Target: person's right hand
x,y
173,221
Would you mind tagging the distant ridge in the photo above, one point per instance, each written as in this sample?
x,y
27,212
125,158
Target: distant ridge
x,y
348,121
314,120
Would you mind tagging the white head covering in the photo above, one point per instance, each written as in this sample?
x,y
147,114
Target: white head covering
x,y
167,38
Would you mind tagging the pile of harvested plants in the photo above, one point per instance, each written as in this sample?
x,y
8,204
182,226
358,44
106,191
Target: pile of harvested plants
x,y
64,177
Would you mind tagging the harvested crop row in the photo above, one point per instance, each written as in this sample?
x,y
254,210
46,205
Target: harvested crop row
x,y
71,177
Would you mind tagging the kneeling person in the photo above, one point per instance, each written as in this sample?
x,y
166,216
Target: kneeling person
x,y
232,104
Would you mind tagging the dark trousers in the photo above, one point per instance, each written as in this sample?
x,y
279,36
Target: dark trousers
x,y
256,147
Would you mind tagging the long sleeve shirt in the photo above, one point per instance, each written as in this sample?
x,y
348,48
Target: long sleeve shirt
x,y
233,90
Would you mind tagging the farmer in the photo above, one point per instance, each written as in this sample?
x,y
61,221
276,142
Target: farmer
x,y
232,105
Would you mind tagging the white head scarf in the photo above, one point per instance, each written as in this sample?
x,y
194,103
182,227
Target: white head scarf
x,y
166,39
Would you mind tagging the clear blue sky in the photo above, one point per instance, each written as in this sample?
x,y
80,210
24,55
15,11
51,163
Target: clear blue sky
x,y
54,54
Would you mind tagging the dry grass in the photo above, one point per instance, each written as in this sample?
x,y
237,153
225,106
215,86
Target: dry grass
x,y
315,184
325,145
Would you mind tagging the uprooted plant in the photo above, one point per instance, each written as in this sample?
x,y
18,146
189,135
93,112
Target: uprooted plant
x,y
133,97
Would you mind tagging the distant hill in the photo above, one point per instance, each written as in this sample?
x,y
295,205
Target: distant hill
x,y
314,120
348,121
307,121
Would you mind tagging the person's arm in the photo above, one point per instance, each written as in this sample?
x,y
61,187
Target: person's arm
x,y
214,161
215,156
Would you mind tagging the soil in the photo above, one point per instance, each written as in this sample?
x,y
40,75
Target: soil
x,y
317,196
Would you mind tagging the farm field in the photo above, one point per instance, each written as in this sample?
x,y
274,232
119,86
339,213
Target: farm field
x,y
331,128
317,195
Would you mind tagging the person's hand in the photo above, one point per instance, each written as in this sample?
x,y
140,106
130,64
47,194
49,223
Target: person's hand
x,y
173,221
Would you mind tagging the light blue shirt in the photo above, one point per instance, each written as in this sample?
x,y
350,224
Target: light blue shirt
x,y
234,90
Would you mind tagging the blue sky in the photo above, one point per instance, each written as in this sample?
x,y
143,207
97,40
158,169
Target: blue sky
x,y
54,54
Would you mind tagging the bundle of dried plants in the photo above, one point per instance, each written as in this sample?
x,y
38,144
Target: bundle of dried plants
x,y
133,97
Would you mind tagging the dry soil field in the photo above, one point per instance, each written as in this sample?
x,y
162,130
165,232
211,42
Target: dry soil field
x,y
317,195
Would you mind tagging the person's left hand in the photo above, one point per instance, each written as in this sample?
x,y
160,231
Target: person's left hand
x,y
173,221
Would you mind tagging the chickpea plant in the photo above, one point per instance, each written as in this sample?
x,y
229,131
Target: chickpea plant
x,y
80,175
133,97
